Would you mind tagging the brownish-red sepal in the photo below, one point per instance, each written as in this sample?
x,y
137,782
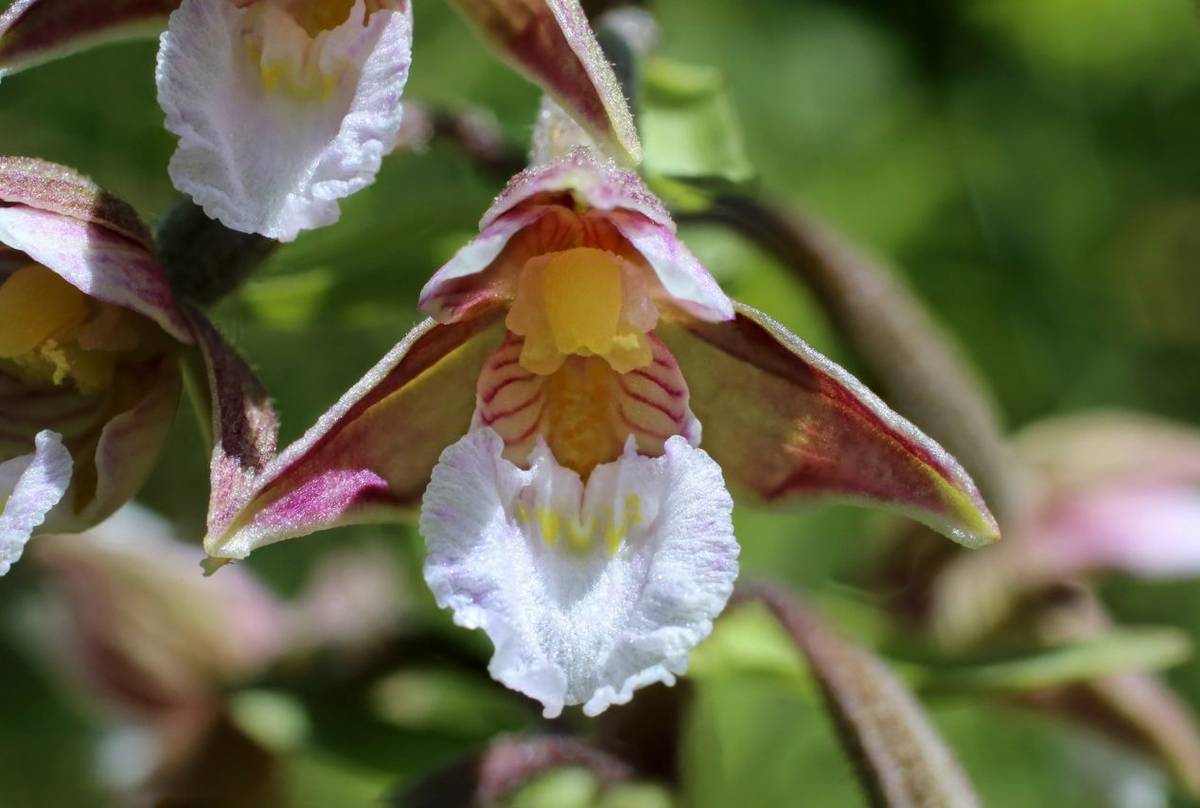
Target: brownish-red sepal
x,y
784,422
551,42
37,31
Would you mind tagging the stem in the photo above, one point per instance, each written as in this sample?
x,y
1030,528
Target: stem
x,y
204,259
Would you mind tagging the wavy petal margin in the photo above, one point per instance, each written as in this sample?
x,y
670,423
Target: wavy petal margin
x,y
370,457
784,422
552,44
36,31
275,160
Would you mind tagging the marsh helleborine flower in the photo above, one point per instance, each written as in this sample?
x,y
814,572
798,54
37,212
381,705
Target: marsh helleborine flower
x,y
577,350
88,378
282,107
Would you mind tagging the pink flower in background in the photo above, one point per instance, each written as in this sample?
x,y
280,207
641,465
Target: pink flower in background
x,y
1112,493
549,424
88,331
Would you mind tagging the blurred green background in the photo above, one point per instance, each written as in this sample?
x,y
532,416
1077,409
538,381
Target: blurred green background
x,y
1031,166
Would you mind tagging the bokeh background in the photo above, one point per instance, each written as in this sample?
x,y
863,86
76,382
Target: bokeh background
x,y
1030,166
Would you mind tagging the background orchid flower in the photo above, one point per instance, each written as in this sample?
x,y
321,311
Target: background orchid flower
x,y
576,350
88,328
1114,492
135,627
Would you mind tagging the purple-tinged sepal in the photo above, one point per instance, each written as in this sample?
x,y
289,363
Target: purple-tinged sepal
x,y
370,456
88,335
243,425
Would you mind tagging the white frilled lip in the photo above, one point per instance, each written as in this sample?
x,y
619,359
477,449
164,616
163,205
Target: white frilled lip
x,y
269,163
92,240
580,626
30,487
600,185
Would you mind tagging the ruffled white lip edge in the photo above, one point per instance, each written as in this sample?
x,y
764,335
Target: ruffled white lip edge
x,y
277,169
587,626
30,486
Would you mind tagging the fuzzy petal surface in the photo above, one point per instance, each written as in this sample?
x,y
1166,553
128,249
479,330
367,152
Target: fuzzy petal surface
x,y
273,135
577,618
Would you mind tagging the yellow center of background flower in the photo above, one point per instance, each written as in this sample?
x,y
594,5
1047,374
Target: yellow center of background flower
x,y
52,333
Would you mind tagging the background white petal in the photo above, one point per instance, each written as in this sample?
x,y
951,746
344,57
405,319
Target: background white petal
x,y
276,162
30,486
571,624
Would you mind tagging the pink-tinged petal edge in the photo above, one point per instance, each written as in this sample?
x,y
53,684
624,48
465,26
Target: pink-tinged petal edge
x,y
445,300
91,239
1146,530
551,42
594,180
785,422
32,485
37,31
597,183
370,456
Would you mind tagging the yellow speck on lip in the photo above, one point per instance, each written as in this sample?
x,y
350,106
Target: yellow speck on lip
x,y
548,523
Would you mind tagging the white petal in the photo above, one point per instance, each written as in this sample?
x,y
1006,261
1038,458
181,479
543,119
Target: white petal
x,y
573,622
276,162
31,486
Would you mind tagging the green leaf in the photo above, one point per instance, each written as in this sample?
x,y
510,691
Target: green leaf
x,y
689,126
1117,651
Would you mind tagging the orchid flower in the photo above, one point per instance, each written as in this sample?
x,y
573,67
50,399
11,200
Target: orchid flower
x,y
548,421
284,107
1113,492
88,329
126,616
